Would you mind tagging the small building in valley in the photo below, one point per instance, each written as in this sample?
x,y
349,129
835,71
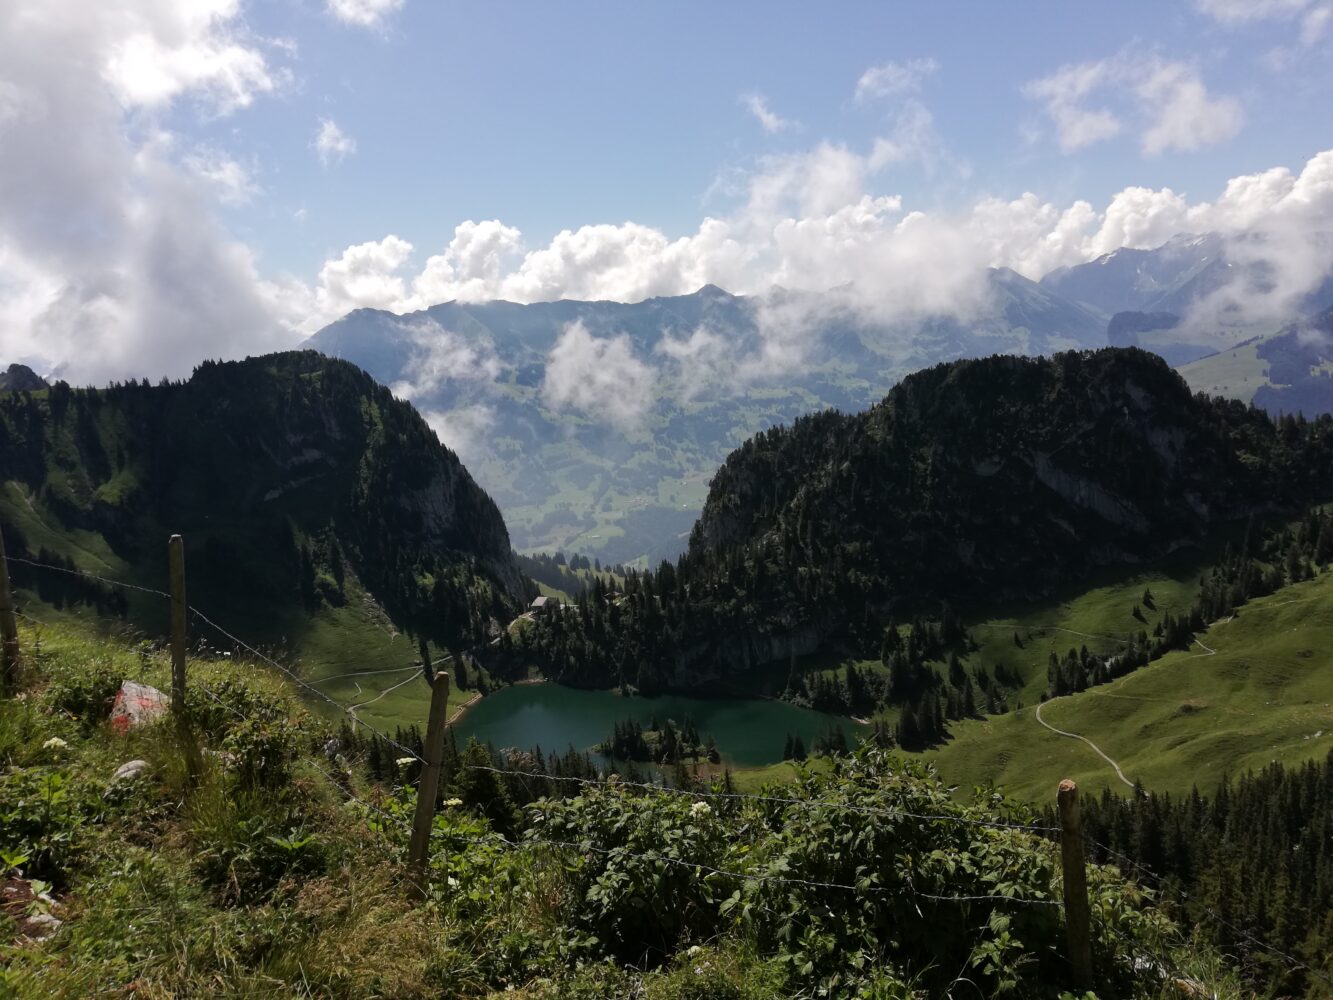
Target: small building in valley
x,y
544,605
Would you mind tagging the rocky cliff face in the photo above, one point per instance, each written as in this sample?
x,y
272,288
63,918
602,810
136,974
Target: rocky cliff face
x,y
20,378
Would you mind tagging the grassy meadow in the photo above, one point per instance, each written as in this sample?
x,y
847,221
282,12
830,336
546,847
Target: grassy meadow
x,y
1185,720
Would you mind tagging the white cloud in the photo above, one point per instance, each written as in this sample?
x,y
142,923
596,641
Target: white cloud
x,y
1184,116
114,261
159,51
1167,101
1064,92
441,356
1313,16
599,377
363,13
1315,24
232,182
471,266
331,143
365,276
464,428
894,78
811,223
703,360
769,120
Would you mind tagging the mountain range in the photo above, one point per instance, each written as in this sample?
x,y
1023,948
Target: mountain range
x,y
596,425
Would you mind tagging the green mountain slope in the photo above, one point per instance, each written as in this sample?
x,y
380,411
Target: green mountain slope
x,y
972,483
280,869
1290,371
1255,688
308,497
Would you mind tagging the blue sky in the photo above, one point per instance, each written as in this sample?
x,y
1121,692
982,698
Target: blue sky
x,y
550,116
164,188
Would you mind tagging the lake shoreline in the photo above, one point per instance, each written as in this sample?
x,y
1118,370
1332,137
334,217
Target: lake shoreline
x,y
750,732
462,709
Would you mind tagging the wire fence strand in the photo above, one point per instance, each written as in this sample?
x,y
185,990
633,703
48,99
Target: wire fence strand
x,y
84,575
876,811
880,811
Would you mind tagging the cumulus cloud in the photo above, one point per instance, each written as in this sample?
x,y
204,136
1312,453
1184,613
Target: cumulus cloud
x,y
894,78
599,377
365,276
331,143
472,264
113,260
152,53
809,222
363,13
769,120
1166,101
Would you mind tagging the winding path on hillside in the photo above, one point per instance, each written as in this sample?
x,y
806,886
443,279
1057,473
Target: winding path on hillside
x,y
1075,736
1051,628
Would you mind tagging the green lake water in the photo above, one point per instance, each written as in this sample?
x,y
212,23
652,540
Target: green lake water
x,y
749,732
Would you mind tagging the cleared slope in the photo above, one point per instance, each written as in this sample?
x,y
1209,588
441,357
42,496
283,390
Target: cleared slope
x,y
1263,694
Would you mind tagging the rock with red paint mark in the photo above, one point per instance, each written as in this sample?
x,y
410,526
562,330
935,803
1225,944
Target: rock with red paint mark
x,y
136,705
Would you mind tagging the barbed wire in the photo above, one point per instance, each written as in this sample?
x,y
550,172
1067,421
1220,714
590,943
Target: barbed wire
x,y
83,574
1187,900
881,811
345,710
586,847
697,793
330,777
305,685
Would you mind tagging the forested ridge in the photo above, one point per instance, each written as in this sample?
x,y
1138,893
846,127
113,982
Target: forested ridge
x,y
287,474
974,481
1250,862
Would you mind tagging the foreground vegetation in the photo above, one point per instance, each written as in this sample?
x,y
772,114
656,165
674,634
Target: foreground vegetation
x,y
278,870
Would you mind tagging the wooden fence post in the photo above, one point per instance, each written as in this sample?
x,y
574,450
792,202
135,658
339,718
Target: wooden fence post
x,y
1077,912
418,848
9,633
176,560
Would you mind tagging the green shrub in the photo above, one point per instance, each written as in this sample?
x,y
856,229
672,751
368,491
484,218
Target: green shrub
x,y
43,815
637,895
87,693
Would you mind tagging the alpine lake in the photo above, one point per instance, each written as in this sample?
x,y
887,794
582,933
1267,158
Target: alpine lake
x,y
749,732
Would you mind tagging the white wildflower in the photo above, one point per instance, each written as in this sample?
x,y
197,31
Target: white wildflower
x,y
404,761
700,809
451,803
54,743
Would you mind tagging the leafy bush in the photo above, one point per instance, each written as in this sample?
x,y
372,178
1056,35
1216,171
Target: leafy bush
x,y
42,819
644,885
255,729
87,693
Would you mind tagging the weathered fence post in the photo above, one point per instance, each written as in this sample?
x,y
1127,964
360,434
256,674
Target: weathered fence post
x,y
9,633
176,559
418,848
1077,913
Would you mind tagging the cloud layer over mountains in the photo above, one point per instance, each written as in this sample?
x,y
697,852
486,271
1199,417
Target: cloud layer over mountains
x,y
113,261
